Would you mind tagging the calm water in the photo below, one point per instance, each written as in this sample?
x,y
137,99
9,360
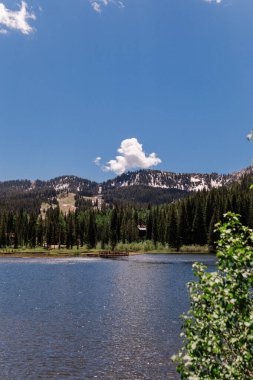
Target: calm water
x,y
92,318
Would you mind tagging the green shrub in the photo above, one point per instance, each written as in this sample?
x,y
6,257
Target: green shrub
x,y
142,246
218,329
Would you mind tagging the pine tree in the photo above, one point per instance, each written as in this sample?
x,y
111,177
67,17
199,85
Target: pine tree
x,y
212,233
91,236
199,227
61,230
113,228
155,226
70,232
183,226
40,232
172,233
149,226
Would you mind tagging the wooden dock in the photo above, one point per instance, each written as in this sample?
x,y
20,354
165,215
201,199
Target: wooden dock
x,y
112,254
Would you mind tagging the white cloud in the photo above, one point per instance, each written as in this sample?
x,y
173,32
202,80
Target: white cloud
x,y
131,156
19,20
214,1
97,161
98,5
250,136
16,20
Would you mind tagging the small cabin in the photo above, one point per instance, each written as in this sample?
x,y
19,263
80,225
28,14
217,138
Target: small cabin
x,y
142,231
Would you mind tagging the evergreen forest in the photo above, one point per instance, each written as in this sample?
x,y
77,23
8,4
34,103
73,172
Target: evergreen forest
x,y
188,221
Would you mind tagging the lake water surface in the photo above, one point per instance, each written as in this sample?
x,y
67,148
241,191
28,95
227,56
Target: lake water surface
x,y
100,319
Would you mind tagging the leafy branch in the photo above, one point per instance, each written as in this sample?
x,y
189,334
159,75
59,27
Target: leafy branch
x,y
218,329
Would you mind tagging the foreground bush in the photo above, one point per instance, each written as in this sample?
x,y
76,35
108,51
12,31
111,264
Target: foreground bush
x,y
218,329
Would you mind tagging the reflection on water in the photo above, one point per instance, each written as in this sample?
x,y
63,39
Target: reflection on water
x,y
92,319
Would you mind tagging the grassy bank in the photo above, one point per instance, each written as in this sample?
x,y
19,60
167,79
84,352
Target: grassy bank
x,y
149,247
139,247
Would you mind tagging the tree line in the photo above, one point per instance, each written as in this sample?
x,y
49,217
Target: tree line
x,y
184,222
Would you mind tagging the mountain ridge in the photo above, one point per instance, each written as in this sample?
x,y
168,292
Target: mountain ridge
x,y
151,178
141,187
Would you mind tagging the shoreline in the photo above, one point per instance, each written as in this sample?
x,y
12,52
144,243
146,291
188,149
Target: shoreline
x,y
69,254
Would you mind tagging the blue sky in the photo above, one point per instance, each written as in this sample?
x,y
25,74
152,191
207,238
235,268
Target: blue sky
x,y
77,79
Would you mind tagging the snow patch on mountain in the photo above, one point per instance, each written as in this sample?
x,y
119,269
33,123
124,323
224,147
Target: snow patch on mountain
x,y
193,179
190,182
62,186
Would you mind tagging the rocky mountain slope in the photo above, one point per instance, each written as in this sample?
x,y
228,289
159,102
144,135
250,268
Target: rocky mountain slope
x,y
168,180
143,186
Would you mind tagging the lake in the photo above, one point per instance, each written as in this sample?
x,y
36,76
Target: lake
x,y
79,318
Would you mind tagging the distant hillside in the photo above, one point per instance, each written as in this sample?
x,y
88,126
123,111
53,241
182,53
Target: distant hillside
x,y
142,187
168,180
177,223
143,195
